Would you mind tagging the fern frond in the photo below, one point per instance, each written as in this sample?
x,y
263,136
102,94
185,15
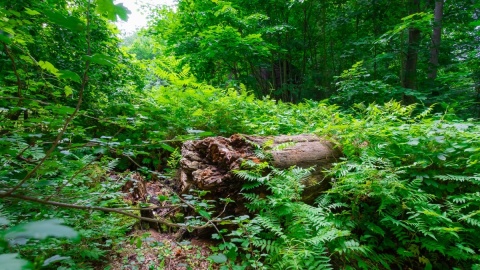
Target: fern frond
x,y
459,178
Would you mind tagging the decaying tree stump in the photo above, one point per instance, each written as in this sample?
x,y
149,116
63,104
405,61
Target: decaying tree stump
x,y
136,192
208,164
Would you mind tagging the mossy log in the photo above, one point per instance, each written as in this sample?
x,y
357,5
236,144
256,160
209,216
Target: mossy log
x,y
209,164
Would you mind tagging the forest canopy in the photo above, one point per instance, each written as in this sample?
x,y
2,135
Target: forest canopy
x,y
89,118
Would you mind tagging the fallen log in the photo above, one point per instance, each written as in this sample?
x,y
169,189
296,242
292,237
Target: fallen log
x,y
209,164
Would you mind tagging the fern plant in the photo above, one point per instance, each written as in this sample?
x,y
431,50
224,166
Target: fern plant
x,y
288,233
410,184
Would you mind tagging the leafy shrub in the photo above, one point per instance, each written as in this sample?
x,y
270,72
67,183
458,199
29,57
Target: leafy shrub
x,y
410,185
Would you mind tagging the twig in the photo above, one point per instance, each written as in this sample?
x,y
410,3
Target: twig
x,y
106,209
22,98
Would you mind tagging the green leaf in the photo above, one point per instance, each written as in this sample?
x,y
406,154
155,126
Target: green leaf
x,y
53,259
167,147
101,59
441,157
5,39
110,11
138,243
218,258
48,67
206,134
162,198
69,75
475,23
69,22
11,262
31,12
39,230
204,213
68,90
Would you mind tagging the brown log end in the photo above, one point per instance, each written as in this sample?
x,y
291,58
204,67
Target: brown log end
x,y
208,164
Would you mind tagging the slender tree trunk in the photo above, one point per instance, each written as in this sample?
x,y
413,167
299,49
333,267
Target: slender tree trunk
x,y
436,38
305,26
410,79
325,50
375,35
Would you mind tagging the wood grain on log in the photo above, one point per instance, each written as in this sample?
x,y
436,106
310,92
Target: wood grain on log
x,y
208,164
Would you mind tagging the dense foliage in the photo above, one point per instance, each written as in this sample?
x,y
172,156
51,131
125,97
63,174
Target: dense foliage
x,y
415,50
82,113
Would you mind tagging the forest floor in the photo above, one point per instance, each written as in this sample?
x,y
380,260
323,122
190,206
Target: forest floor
x,y
150,249
168,249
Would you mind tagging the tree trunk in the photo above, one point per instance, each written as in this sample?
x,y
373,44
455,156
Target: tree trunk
x,y
209,164
436,38
410,76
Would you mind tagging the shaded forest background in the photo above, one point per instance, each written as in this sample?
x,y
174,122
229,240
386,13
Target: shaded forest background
x,y
351,51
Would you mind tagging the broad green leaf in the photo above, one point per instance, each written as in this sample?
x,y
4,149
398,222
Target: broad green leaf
x,y
218,258
26,58
110,11
48,67
69,75
11,262
69,22
122,11
31,12
39,230
68,90
101,59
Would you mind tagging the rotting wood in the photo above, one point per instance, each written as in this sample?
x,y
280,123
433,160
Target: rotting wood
x,y
209,164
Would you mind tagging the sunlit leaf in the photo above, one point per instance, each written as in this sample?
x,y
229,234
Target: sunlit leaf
x,y
68,90
31,12
48,67
110,11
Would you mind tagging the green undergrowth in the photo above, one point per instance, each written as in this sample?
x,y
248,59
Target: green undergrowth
x,y
405,195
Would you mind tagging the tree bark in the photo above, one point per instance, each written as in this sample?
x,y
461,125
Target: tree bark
x,y
436,39
209,164
410,76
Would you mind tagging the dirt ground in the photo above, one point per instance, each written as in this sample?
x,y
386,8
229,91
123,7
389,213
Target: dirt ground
x,y
148,249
